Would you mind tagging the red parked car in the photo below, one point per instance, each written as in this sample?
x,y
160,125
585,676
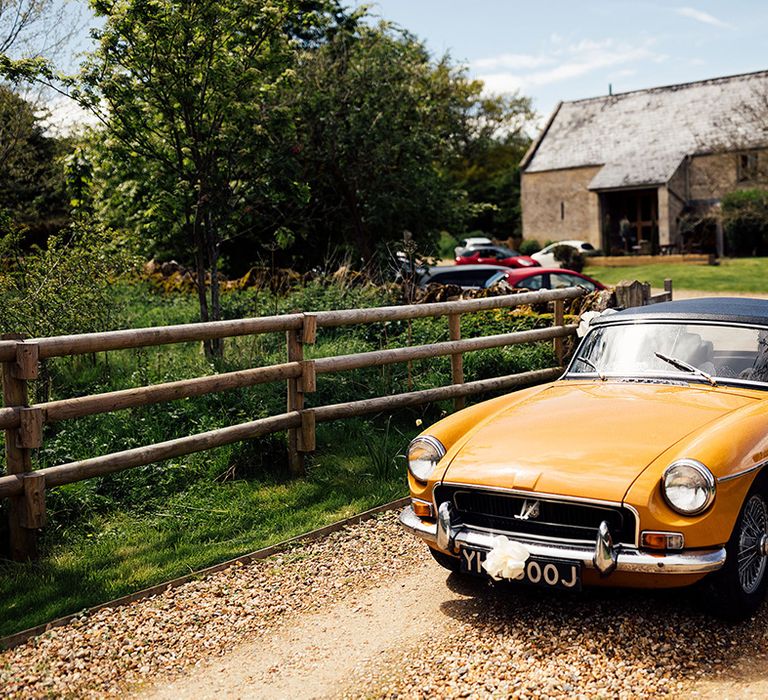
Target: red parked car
x,y
495,255
550,278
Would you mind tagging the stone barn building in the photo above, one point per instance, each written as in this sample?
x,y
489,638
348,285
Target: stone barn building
x,y
644,171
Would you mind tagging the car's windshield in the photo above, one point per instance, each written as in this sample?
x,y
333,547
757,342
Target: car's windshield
x,y
694,351
494,278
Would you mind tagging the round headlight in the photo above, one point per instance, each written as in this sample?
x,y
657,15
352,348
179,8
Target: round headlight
x,y
423,455
688,486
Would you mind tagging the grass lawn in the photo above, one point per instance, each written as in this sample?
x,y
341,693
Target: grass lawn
x,y
108,555
731,275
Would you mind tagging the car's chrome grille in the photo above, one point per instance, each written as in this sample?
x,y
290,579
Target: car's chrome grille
x,y
495,510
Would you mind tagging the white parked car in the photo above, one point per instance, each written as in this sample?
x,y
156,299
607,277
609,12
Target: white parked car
x,y
546,256
472,242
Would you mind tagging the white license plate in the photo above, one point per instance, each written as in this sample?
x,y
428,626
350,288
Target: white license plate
x,y
550,573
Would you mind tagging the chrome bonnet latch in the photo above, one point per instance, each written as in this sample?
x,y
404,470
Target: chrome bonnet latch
x,y
606,554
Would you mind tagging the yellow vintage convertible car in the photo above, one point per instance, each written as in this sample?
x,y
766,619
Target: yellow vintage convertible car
x,y
644,465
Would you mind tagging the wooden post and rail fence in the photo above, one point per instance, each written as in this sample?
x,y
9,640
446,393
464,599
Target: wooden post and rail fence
x,y
23,423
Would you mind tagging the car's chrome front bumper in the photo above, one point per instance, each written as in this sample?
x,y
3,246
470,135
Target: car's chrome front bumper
x,y
603,556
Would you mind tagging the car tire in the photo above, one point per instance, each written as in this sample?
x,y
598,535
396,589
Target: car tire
x,y
741,589
445,560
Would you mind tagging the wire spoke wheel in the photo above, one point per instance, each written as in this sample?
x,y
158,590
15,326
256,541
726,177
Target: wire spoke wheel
x,y
752,528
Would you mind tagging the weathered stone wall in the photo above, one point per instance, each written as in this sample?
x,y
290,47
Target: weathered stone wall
x,y
671,202
712,176
558,206
665,225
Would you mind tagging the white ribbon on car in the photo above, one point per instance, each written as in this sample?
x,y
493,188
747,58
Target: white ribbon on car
x,y
506,559
587,317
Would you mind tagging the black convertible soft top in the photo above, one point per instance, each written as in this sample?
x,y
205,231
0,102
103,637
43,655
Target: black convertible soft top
x,y
724,309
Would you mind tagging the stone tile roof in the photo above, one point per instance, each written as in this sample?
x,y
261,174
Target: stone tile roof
x,y
641,137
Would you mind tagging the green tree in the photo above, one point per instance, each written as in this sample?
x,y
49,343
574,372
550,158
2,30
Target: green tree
x,y
382,132
32,188
64,287
745,221
488,163
374,120
189,93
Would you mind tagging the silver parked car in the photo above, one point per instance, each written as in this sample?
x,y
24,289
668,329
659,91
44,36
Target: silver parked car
x,y
473,242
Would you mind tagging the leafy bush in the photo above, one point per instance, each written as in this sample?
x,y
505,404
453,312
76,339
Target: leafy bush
x,y
446,244
64,288
529,246
570,258
745,222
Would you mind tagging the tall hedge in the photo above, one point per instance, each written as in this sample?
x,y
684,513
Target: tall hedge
x,y
745,222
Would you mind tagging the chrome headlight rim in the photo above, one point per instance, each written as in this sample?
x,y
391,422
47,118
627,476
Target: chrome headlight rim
x,y
710,486
431,442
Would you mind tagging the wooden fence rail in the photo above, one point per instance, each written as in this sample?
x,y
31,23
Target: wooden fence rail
x,y
22,352
23,424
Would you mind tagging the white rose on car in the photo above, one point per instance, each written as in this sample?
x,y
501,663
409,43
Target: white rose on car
x,y
506,559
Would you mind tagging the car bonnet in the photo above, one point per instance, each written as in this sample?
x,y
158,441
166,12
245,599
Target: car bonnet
x,y
585,439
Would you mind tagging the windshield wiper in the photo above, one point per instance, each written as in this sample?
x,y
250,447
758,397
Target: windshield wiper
x,y
591,364
680,364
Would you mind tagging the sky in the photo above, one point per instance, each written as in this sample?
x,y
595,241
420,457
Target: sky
x,y
555,50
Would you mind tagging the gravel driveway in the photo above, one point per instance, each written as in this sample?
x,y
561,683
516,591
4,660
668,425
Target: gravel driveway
x,y
366,613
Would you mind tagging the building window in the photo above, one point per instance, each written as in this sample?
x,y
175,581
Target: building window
x,y
747,167
562,211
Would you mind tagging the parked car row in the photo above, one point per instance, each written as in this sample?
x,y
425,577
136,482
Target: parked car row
x,y
479,265
485,276
494,255
479,250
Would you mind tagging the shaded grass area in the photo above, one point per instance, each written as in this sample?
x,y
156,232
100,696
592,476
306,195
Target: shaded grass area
x,y
745,275
108,554
113,535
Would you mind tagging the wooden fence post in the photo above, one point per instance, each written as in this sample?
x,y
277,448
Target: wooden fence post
x,y
307,434
668,288
457,360
23,519
301,440
632,294
559,320
295,402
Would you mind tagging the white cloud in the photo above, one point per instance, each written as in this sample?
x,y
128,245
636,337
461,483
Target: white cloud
x,y
496,83
589,60
560,61
704,17
512,61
